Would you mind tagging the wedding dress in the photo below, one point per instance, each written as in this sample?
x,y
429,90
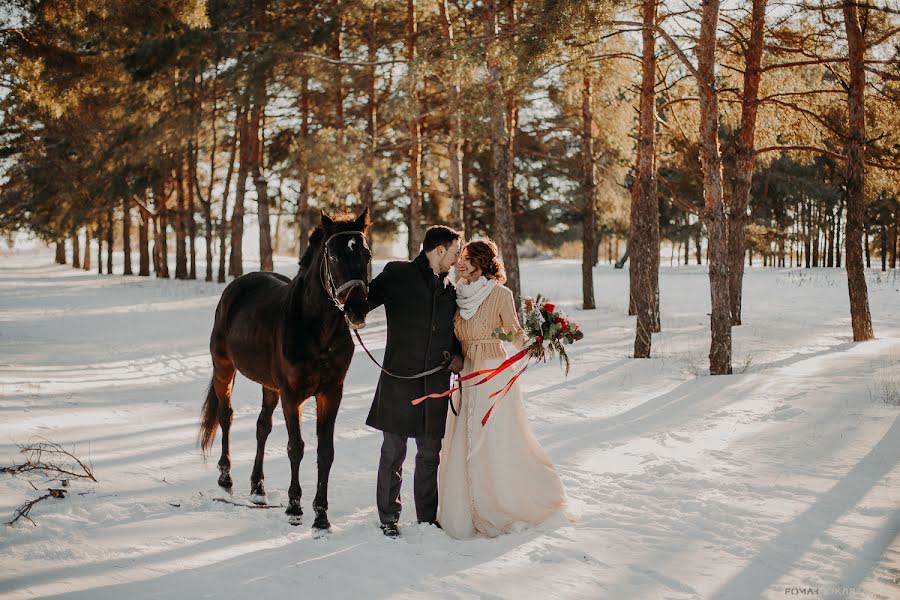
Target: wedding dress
x,y
493,476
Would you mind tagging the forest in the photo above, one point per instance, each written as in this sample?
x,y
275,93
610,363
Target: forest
x,y
730,134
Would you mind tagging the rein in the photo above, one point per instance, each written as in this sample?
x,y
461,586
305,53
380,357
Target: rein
x,y
438,368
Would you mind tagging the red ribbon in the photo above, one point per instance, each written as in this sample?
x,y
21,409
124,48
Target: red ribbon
x,y
503,391
491,373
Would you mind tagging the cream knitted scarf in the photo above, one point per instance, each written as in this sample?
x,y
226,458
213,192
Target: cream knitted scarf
x,y
469,296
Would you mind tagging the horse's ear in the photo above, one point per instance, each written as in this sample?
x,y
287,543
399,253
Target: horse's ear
x,y
327,222
362,221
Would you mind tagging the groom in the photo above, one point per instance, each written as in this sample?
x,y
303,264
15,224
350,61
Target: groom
x,y
419,303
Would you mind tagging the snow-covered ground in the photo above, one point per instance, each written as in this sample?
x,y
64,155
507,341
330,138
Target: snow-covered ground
x,y
778,481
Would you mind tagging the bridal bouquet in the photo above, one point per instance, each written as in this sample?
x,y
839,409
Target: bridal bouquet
x,y
549,327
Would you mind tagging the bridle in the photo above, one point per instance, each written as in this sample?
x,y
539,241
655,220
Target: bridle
x,y
334,292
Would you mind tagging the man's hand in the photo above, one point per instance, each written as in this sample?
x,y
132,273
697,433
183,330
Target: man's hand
x,y
456,364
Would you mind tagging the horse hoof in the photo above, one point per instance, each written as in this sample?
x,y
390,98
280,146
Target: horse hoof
x,y
225,481
321,523
258,494
295,520
294,509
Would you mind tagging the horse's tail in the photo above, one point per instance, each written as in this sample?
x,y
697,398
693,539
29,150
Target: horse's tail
x,y
209,419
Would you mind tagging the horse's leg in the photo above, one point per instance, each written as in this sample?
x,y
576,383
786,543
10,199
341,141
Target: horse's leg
x,y
263,428
223,383
291,405
327,404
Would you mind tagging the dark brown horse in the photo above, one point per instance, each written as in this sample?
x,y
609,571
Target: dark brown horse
x,y
293,338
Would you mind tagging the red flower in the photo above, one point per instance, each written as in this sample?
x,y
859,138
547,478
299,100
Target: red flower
x,y
549,307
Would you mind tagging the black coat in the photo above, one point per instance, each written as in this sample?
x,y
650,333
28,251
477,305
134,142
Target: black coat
x,y
420,309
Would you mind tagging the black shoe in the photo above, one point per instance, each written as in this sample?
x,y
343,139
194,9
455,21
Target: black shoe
x,y
390,530
435,523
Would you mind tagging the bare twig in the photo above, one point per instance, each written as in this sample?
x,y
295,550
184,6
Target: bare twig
x,y
233,503
51,459
22,511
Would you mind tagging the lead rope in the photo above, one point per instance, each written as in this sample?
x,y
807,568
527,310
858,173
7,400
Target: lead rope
x,y
438,368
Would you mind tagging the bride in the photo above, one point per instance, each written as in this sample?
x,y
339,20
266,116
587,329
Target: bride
x,y
493,476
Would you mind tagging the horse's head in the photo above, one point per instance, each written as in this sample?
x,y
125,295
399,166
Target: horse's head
x,y
346,265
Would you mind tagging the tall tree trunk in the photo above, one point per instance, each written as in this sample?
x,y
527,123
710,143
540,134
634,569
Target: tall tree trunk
x,y
711,160
589,202
126,234
181,269
830,249
303,209
814,223
223,220
161,232
454,128
468,201
61,251
191,217
882,214
337,53
746,151
366,191
256,169
504,229
76,250
856,176
237,214
896,233
144,240
414,241
99,235
87,248
645,245
837,242
110,231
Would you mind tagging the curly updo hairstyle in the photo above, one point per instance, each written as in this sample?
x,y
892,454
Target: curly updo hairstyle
x,y
484,255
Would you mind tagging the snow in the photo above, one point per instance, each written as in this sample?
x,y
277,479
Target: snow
x,y
770,483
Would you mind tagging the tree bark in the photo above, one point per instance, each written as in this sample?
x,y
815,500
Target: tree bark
x,y
223,220
237,214
109,240
191,217
161,227
76,250
181,271
468,210
262,192
99,235
303,209
61,251
126,234
454,127
504,230
711,161
366,184
414,240
87,248
896,233
144,241
645,218
740,198
589,202
837,242
856,176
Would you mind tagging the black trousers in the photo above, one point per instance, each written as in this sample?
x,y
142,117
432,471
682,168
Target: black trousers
x,y
390,477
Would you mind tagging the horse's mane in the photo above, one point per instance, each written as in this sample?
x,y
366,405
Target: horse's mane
x,y
293,320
